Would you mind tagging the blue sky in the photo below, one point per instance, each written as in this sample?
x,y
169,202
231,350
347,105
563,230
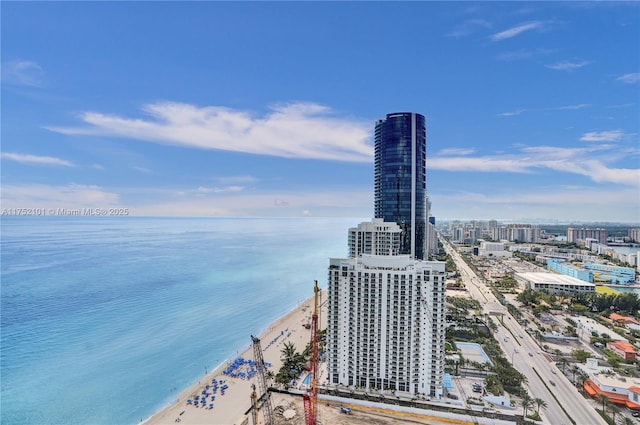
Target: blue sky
x,y
268,108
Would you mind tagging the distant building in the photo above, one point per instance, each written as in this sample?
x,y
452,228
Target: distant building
x,y
523,233
568,269
376,237
634,235
575,235
554,283
622,349
493,249
611,273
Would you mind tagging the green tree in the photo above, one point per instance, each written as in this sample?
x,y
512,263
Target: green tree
x,y
293,363
539,403
613,409
601,398
581,355
526,402
628,302
574,369
528,297
288,352
563,362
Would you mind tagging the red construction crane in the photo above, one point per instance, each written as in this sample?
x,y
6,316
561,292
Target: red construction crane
x,y
310,398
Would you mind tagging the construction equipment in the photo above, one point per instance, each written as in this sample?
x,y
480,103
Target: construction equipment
x,y
254,405
262,381
310,398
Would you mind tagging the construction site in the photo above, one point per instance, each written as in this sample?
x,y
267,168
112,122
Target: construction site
x,y
274,407
289,410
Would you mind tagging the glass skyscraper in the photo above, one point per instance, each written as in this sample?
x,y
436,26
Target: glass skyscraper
x,y
400,178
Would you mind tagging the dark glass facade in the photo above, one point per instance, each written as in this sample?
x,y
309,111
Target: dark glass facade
x,y
400,178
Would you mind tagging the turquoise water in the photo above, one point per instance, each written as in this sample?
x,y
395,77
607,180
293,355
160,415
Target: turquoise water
x,y
106,320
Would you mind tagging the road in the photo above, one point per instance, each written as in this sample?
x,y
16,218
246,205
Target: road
x,y
525,355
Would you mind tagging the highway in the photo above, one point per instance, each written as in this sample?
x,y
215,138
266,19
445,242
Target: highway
x,y
526,356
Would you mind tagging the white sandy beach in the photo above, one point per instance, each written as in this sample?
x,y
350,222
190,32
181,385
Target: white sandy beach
x,y
230,408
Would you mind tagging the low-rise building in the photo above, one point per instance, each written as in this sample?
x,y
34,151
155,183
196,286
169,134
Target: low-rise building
x,y
620,391
612,273
554,283
568,269
622,349
621,320
493,249
586,327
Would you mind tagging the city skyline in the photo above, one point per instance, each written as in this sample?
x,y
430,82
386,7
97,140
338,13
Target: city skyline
x,y
269,109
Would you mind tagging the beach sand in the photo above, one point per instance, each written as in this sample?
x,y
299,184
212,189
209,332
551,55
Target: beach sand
x,y
230,408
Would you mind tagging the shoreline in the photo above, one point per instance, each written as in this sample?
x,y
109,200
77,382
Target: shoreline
x,y
230,404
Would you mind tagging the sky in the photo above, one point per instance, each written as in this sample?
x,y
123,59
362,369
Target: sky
x,y
268,108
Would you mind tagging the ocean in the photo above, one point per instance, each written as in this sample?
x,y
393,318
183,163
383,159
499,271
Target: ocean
x,y
106,320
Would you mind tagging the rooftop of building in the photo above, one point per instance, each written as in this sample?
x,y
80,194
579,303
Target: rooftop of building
x,y
591,325
625,346
620,318
552,279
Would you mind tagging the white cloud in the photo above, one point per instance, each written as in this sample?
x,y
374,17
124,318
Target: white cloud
x,y
512,32
512,113
555,108
572,107
621,105
568,65
23,72
142,169
532,159
468,27
523,54
455,151
50,196
629,78
35,159
602,136
236,179
565,203
498,163
202,189
347,203
296,130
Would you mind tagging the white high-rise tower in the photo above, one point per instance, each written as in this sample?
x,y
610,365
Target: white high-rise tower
x,y
386,315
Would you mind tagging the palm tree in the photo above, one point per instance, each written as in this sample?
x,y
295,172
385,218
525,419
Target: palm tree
x,y
288,353
613,409
540,403
270,375
574,369
627,421
604,399
563,362
526,403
